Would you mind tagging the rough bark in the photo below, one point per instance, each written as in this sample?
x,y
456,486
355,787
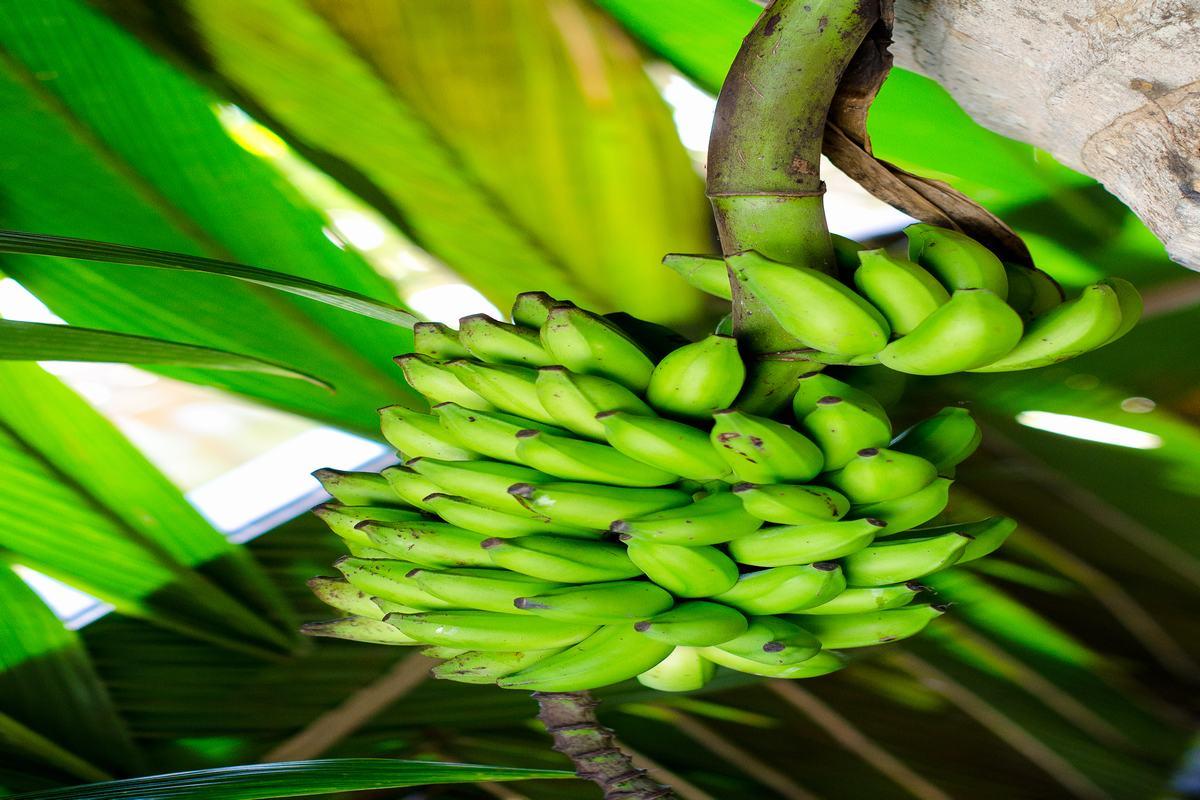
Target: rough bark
x,y
1108,87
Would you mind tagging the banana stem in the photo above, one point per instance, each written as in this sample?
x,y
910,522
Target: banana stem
x,y
570,718
764,156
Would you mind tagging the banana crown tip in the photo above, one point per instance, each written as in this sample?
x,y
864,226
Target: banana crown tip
x,y
741,488
773,647
825,566
488,544
868,452
521,490
829,400
878,523
528,433
642,627
606,414
619,526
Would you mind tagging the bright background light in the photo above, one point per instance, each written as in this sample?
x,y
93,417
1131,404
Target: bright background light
x,y
1092,430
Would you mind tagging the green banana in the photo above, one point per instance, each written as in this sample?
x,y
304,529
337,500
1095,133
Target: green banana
x,y
812,306
388,581
696,623
530,309
437,341
576,459
600,603
713,519
415,434
429,544
1071,329
769,641
591,345
574,400
558,559
358,629
945,440
706,273
861,599
483,482
357,488
488,521
506,387
839,631
613,653
845,254
665,444
1031,291
443,652
684,670
489,630
841,428
1130,302
902,560
804,544
683,571
779,590
790,504
957,260
593,505
697,379
410,486
822,663
480,589
876,474
482,666
500,343
986,536
761,450
904,292
975,327
344,596
813,387
438,384
907,512
343,519
492,433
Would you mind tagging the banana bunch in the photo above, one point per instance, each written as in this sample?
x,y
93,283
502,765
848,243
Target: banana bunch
x,y
951,306
582,505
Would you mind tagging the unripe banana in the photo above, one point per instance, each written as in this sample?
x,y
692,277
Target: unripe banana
x,y
575,459
509,388
555,558
1131,305
482,667
386,607
706,273
976,327
845,254
782,589
1031,291
481,589
438,384
697,379
957,260
790,504
593,505
841,428
492,433
600,603
357,488
768,641
429,544
840,631
574,400
343,519
439,342
945,440
488,630
344,596
1069,330
804,544
877,474
415,434
812,306
443,652
716,518
813,387
861,599
489,521
388,581
822,663
904,292
591,345
696,624
610,655
484,482
902,560
761,450
500,343
358,629
684,571
531,309
665,444
409,485
907,512
684,670
986,535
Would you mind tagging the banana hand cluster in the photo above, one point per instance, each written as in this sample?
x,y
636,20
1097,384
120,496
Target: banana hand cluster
x,y
951,306
582,506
